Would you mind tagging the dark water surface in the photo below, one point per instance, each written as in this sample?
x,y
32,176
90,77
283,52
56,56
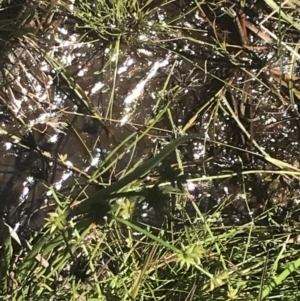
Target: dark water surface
x,y
49,136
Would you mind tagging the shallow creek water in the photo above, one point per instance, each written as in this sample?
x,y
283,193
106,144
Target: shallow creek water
x,y
43,119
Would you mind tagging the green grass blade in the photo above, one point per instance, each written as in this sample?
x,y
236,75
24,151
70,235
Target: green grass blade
x,y
134,175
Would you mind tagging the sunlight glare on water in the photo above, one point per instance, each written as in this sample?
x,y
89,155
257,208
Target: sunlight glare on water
x,y
127,63
97,87
138,90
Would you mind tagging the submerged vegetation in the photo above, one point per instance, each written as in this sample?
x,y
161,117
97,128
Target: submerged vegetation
x,y
150,150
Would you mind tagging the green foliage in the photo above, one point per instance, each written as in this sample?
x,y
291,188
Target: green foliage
x,y
190,255
57,220
126,207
